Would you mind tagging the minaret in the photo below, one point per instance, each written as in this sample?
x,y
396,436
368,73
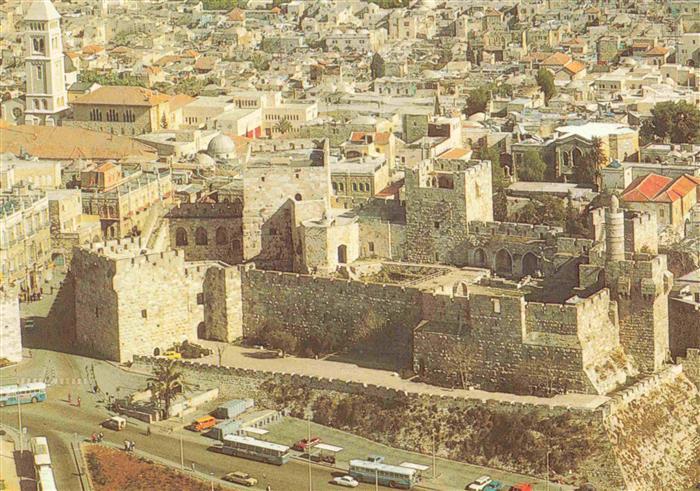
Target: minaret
x,y
46,95
615,231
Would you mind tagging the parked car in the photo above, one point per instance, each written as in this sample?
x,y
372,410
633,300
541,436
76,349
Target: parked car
x,y
172,355
304,445
494,486
115,423
521,487
239,477
479,484
346,481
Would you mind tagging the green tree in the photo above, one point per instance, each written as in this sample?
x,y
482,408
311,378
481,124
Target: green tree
x,y
545,80
283,126
111,78
545,210
478,100
219,4
377,66
587,170
165,383
533,167
675,122
283,341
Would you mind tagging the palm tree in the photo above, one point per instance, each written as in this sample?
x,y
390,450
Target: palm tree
x,y
165,383
283,126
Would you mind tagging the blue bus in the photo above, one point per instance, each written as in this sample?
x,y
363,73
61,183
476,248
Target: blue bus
x,y
260,450
32,392
393,476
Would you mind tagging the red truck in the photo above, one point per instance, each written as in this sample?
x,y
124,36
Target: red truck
x,y
521,487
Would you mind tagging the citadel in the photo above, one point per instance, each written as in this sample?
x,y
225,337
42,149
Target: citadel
x,y
338,195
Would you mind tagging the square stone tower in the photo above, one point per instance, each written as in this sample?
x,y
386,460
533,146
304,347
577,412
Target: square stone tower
x,y
46,96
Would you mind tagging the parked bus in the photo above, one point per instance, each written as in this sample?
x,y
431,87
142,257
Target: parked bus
x,y
40,449
42,464
393,476
22,394
45,480
252,448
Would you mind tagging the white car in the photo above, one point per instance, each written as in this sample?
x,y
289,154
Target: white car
x,y
346,481
480,483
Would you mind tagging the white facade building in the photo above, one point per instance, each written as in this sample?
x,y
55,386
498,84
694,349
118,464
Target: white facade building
x,y
46,95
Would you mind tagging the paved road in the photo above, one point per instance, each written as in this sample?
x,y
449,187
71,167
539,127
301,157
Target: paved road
x,y
62,422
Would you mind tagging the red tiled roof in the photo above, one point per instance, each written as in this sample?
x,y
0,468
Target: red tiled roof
x,y
557,59
382,137
391,189
660,189
678,189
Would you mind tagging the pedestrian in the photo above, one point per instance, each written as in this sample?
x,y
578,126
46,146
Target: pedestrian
x,y
78,401
133,446
126,445
268,488
148,430
93,437
69,398
100,437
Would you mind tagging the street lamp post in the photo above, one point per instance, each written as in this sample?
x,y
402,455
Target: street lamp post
x,y
19,419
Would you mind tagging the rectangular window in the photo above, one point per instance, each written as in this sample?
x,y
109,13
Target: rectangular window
x,y
144,314
200,299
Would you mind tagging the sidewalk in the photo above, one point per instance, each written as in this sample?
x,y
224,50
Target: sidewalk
x,y
8,470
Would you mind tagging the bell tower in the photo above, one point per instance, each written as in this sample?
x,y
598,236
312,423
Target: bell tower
x,y
46,95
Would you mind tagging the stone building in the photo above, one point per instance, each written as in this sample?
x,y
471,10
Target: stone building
x,y
442,197
10,330
126,110
208,231
25,239
46,97
126,205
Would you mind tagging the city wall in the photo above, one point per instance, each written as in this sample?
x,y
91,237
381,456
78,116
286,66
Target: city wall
x,y
606,442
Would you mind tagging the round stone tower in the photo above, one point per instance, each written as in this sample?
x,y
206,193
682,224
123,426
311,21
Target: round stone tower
x,y
615,231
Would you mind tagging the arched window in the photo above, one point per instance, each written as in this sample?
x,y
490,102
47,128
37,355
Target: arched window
x,y
200,236
480,258
530,264
221,236
181,237
504,263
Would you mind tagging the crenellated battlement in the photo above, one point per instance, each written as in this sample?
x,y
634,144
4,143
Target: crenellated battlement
x,y
514,229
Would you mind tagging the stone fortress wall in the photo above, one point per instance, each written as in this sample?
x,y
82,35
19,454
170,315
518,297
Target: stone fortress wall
x,y
614,444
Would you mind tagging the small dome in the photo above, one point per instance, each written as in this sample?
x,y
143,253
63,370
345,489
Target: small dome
x,y
221,146
204,160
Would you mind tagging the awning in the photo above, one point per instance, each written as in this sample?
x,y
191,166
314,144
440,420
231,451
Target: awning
x,y
328,448
257,431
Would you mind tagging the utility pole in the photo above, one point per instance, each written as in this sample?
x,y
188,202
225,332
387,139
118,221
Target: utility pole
x,y
434,458
182,448
308,449
19,417
547,481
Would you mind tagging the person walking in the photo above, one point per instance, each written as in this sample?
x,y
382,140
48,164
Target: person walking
x,y
78,401
148,430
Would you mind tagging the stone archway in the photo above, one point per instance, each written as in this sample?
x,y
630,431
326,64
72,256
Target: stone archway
x,y
480,258
342,254
504,262
530,264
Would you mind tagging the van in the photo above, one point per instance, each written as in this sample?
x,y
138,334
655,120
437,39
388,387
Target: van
x,y
203,423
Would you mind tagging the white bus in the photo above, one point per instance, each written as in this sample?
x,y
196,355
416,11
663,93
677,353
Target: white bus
x,y
252,448
393,476
45,480
40,449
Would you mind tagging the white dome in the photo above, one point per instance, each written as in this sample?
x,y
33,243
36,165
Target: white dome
x,y
221,146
